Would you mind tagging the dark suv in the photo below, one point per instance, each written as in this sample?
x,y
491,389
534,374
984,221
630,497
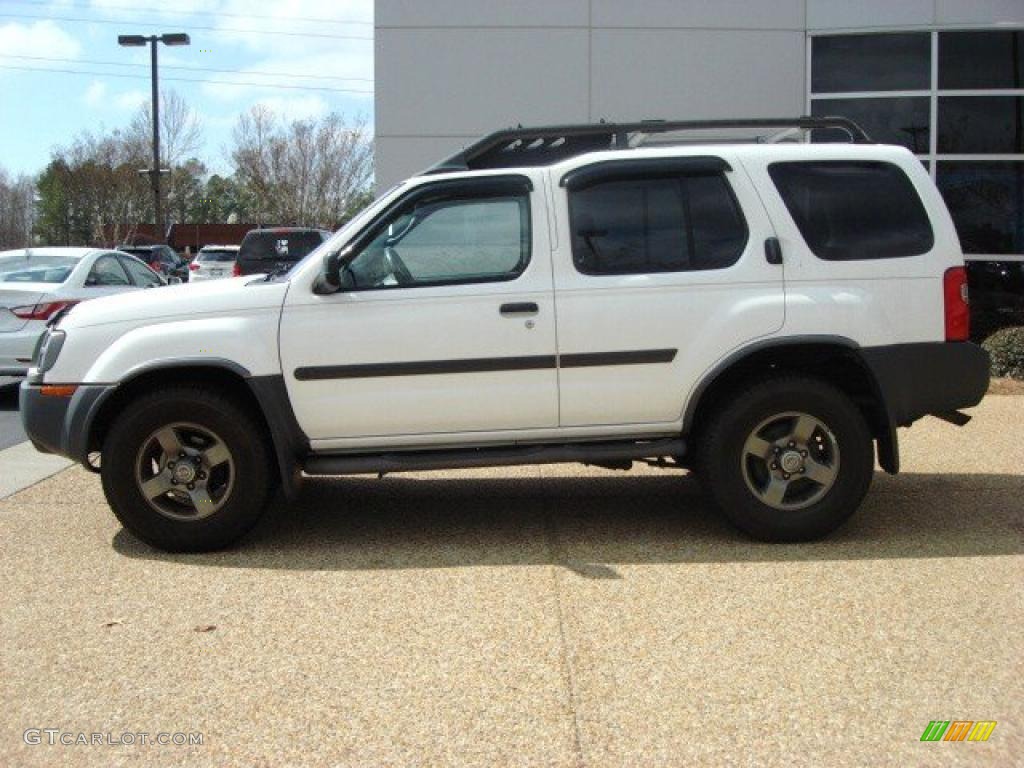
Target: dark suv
x,y
162,258
277,249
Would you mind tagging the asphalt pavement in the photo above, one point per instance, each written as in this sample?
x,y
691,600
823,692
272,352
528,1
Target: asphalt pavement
x,y
532,616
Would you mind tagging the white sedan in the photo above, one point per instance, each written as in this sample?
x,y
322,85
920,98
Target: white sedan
x,y
36,283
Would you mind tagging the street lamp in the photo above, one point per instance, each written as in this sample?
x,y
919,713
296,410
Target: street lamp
x,y
137,41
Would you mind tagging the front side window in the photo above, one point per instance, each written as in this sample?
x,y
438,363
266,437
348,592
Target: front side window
x,y
447,241
849,210
141,274
106,272
645,225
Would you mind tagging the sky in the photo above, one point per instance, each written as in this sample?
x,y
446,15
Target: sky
x,y
62,71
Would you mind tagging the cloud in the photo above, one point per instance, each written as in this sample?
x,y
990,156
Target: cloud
x,y
95,94
131,100
40,38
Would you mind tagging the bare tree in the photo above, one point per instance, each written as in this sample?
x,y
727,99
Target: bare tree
x,y
180,138
304,173
17,208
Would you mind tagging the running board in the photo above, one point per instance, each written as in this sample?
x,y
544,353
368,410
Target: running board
x,y
417,461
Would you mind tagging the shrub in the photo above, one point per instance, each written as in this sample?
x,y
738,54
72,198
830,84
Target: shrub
x,y
1006,348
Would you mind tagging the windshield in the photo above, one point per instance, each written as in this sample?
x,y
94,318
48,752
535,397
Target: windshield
x,y
29,268
354,225
218,255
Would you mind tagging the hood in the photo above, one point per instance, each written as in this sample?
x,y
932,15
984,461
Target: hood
x,y
172,302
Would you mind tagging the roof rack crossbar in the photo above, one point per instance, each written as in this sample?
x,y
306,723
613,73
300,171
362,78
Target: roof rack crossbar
x,y
542,145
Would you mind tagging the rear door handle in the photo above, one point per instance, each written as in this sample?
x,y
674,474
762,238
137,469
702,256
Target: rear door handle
x,y
773,250
519,308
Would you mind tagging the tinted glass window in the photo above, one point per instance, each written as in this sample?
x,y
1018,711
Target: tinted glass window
x,y
107,271
970,125
19,267
279,246
854,210
210,256
986,200
981,60
890,62
888,120
448,241
656,225
140,274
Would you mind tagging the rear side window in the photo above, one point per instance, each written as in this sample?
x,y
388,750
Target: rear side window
x,y
851,210
644,225
279,246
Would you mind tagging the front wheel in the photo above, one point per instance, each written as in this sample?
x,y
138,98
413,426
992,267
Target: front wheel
x,y
789,459
186,470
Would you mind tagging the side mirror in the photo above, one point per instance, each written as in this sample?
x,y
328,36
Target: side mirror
x,y
174,280
335,276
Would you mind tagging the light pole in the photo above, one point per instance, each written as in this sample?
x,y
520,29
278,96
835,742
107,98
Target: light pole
x,y
137,41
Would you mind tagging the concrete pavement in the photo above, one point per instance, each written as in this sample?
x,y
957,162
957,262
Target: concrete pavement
x,y
556,616
11,432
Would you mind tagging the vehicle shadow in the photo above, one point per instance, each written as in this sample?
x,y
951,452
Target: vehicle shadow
x,y
592,524
9,394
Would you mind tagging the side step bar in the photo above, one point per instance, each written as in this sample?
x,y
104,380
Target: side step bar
x,y
416,461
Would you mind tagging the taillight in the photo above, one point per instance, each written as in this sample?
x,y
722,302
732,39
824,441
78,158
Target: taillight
x,y
40,311
193,267
958,314
236,271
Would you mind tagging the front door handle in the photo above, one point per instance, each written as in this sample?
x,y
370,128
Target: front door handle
x,y
519,308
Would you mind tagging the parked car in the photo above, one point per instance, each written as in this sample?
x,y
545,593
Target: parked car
x,y
37,283
161,258
276,250
765,315
213,262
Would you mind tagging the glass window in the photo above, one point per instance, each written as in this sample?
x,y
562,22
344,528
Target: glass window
x,y
981,59
849,210
106,272
986,200
284,245
971,125
656,225
887,62
140,273
448,241
896,120
208,255
29,267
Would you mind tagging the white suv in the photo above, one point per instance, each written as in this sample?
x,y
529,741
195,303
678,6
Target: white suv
x,y
762,313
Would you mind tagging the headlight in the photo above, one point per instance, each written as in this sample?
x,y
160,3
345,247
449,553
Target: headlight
x,y
49,349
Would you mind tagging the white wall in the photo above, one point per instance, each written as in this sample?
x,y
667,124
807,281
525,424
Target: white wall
x,y
448,71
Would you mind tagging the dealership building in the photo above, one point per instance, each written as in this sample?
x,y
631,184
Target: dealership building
x,y
944,78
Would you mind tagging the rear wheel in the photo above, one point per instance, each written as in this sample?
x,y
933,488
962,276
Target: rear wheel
x,y
789,459
186,470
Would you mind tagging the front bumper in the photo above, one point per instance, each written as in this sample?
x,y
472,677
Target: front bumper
x,y
61,424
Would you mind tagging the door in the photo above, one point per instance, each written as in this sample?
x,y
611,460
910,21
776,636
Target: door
x,y
445,323
662,275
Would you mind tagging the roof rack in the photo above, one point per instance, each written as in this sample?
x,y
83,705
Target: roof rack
x,y
544,145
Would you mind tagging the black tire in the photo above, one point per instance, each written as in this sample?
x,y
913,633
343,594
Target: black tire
x,y
730,471
241,501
